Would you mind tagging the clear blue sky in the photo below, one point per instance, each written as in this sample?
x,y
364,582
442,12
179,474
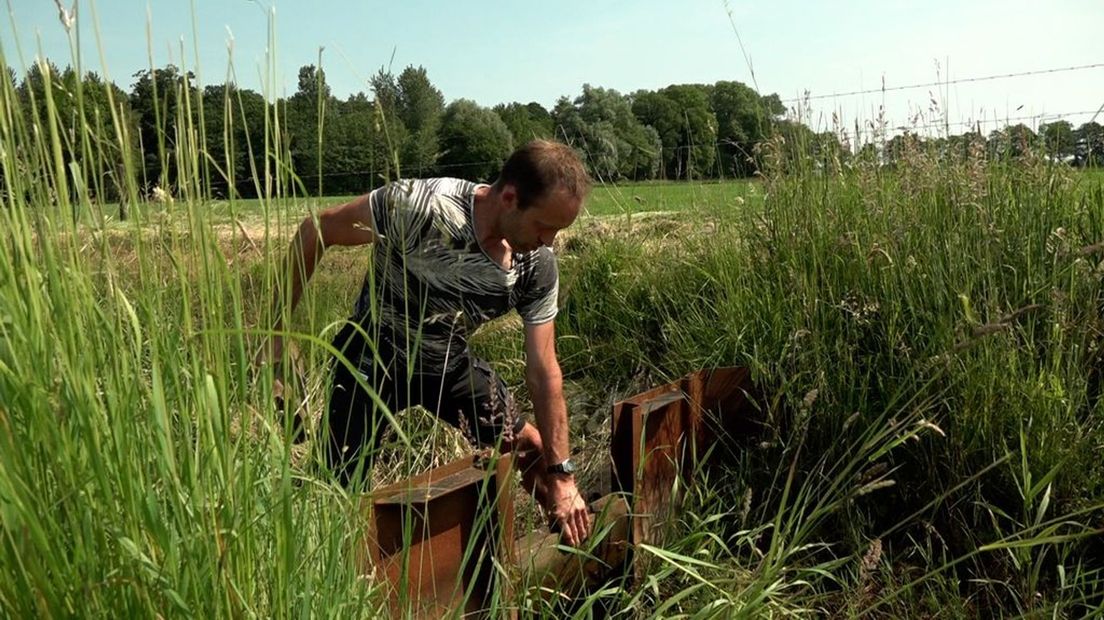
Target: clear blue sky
x,y
501,51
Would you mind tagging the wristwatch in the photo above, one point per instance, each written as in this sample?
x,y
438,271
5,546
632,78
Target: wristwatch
x,y
566,467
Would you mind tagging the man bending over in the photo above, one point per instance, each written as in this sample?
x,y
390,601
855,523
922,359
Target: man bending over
x,y
449,255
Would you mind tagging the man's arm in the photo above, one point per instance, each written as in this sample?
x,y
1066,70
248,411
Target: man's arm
x,y
347,224
545,382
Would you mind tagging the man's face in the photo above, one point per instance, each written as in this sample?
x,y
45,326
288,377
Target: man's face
x,y
530,228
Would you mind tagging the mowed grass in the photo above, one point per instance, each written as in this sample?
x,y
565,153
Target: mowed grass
x,y
606,199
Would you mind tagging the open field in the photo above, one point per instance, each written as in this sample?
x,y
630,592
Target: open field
x,y
929,337
605,200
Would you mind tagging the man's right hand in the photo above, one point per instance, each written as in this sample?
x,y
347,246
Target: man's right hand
x,y
567,509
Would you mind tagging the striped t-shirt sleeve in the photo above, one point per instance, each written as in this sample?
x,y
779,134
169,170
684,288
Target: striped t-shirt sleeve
x,y
399,212
538,302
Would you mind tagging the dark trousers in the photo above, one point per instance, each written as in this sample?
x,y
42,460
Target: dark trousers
x,y
469,395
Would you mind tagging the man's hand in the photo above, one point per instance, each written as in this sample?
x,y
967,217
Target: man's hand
x,y
567,508
298,431
278,393
271,353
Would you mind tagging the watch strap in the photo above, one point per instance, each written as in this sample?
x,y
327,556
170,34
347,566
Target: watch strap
x,y
565,467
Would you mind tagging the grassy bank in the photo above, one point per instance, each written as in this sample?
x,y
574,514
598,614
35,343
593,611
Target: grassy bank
x,y
954,312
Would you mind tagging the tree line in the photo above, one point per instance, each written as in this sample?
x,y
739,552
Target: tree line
x,y
221,139
1058,140
167,132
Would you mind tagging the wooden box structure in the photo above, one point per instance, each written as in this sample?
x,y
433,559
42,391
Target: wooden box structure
x,y
434,538
660,436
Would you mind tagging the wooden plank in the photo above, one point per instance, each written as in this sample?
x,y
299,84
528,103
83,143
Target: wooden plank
x,y
433,489
549,571
434,537
659,437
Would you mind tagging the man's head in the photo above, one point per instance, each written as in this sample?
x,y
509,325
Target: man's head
x,y
541,189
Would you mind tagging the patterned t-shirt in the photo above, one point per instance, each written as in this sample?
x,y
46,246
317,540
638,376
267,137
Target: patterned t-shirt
x,y
431,282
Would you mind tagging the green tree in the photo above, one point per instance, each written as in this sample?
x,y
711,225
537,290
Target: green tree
x,y
420,108
32,92
1089,145
526,121
308,113
696,152
829,152
1011,142
391,134
474,141
96,136
744,119
1058,138
615,144
684,119
964,146
157,98
109,151
36,169
658,111
356,157
792,147
868,154
901,145
235,128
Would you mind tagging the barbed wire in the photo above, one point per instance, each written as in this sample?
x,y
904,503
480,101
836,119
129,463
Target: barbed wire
x,y
984,78
974,123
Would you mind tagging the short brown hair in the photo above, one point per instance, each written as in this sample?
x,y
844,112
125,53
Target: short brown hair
x,y
543,165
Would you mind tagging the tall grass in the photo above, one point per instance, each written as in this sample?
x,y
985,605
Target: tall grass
x,y
929,338
142,469
958,304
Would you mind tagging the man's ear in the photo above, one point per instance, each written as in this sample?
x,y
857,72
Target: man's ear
x,y
509,196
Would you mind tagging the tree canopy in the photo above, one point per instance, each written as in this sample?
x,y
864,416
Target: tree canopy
x,y
240,143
